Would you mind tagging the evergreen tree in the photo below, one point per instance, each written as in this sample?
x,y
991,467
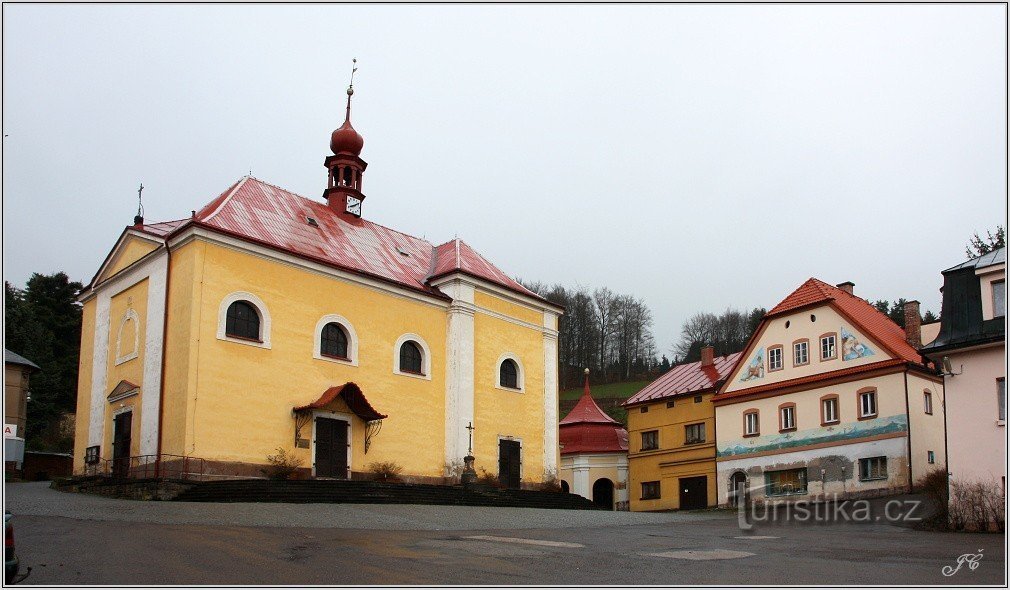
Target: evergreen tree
x,y
43,324
978,246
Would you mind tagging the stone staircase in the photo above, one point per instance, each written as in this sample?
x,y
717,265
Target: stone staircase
x,y
373,492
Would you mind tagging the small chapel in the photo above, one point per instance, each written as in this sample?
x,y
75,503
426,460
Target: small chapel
x,y
594,454
270,324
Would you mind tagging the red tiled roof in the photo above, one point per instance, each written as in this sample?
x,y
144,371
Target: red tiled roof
x,y
869,319
686,379
352,396
457,255
269,215
588,429
162,228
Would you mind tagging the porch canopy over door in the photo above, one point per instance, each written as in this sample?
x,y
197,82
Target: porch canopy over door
x,y
355,401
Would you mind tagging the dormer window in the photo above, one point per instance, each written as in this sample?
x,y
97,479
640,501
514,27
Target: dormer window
x,y
998,299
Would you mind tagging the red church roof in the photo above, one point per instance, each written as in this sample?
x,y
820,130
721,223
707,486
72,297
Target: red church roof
x,y
588,429
265,214
869,319
689,378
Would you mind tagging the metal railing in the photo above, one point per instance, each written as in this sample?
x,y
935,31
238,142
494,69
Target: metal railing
x,y
149,466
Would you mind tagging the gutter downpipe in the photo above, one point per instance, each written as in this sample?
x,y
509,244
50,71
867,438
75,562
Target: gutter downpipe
x,y
164,356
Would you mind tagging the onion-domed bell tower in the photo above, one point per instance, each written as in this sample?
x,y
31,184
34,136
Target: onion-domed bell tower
x,y
343,188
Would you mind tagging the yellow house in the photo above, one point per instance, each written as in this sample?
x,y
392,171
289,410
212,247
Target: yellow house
x,y
830,399
266,320
17,370
671,429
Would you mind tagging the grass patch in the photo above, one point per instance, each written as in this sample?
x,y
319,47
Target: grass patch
x,y
619,390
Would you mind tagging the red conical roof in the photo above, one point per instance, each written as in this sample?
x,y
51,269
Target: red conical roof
x,y
588,429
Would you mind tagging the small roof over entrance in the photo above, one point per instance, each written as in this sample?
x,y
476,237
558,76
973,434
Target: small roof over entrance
x,y
352,396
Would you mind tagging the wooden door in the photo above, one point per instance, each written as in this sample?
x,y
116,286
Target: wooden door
x,y
331,448
121,434
693,493
509,461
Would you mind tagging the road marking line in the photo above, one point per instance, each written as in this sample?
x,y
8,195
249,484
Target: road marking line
x,y
755,537
703,555
525,541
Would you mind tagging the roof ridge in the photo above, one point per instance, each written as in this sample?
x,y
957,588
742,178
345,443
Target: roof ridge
x,y
315,202
235,187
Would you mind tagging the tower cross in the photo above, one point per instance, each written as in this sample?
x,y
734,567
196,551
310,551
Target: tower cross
x,y
139,218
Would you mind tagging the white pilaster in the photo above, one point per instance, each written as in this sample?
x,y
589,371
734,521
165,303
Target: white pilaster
x,y
153,352
580,478
459,373
99,370
622,478
551,450
156,270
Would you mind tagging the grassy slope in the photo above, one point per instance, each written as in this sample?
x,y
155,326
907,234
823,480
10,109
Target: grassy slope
x,y
620,390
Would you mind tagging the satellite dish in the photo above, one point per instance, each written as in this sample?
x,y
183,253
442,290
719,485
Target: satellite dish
x,y
946,365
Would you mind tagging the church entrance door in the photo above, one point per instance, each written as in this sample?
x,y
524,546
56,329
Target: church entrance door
x,y
509,462
331,448
121,434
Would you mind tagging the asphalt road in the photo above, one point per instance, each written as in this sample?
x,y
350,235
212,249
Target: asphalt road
x,y
79,540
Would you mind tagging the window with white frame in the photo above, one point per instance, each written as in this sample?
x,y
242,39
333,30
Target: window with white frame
x,y
751,425
829,410
927,401
827,347
412,357
873,468
775,358
1001,398
245,319
801,353
868,404
930,457
787,416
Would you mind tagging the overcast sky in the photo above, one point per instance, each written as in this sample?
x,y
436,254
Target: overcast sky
x,y
699,157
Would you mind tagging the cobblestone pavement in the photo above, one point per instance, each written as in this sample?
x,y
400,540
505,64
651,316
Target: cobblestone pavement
x,y
37,499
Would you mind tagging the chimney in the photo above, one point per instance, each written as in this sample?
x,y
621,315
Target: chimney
x,y
913,324
707,356
846,286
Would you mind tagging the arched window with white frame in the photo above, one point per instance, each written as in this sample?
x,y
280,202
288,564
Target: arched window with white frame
x,y
244,318
412,357
509,373
335,340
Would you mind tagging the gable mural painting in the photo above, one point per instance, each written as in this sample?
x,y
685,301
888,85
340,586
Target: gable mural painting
x,y
756,368
852,348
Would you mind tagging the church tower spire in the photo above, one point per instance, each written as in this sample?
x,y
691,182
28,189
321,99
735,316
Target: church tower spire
x,y
345,167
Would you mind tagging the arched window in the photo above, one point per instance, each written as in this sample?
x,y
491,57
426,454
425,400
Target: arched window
x,y
508,374
410,358
242,321
333,341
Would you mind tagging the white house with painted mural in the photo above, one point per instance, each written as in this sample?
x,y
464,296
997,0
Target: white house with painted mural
x,y
829,398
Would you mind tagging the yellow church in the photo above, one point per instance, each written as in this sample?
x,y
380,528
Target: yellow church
x,y
266,320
